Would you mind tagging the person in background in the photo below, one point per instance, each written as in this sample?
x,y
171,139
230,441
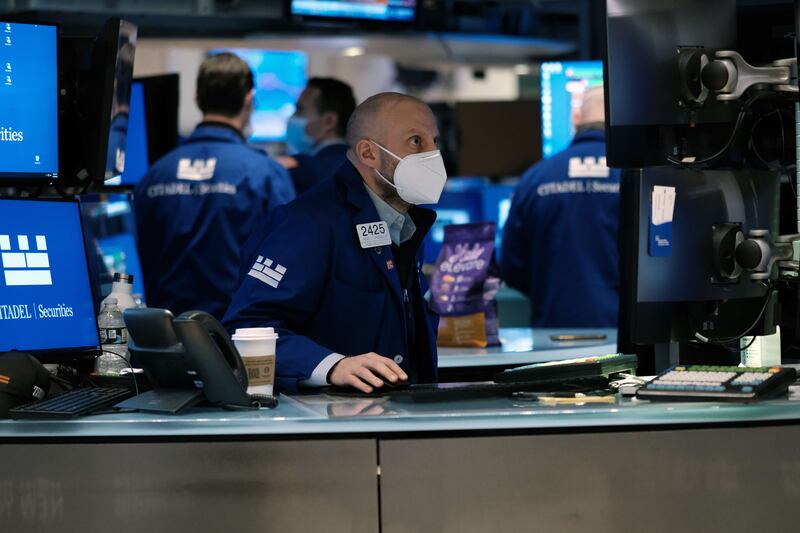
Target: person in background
x,y
560,241
196,206
315,133
337,272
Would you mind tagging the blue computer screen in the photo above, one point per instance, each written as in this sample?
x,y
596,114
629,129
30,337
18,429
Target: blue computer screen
x,y
28,101
280,77
121,255
110,228
45,296
136,154
563,85
496,203
388,10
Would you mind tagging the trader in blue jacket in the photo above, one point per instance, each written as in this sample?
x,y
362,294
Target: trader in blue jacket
x,y
196,207
560,241
315,133
337,271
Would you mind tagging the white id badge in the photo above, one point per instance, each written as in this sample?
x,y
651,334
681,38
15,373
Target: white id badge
x,y
373,234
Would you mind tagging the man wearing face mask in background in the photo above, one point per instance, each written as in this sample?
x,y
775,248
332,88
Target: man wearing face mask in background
x,y
337,272
315,133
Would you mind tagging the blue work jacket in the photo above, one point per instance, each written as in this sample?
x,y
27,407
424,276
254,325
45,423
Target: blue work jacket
x,y
195,208
319,167
560,243
307,276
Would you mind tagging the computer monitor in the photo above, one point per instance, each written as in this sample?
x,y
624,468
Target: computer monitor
x,y
672,283
28,102
563,84
377,10
648,119
124,33
280,77
46,304
110,232
686,279
97,72
136,150
161,95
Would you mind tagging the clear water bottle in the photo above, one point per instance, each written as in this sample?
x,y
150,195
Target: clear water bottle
x,y
114,339
122,290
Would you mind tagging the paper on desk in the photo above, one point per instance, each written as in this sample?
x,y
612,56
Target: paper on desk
x,y
663,204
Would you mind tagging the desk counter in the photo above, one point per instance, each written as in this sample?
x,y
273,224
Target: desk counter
x,y
522,346
319,463
336,417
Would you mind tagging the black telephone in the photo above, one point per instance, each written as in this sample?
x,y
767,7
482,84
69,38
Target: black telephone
x,y
187,359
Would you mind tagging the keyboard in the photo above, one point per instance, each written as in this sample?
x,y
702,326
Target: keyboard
x,y
718,383
453,392
71,404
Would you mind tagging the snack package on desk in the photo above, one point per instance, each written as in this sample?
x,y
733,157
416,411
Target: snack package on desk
x,y
464,286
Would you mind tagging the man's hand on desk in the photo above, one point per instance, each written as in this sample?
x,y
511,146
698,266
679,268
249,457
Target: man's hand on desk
x,y
365,372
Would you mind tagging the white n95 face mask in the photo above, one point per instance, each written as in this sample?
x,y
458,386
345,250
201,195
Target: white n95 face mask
x,y
418,178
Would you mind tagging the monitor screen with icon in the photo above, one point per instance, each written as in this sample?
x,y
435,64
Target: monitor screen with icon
x,y
28,102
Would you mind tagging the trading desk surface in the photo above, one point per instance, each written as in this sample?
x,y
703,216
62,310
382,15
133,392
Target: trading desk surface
x,y
336,417
521,346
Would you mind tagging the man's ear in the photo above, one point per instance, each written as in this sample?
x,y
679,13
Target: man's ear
x,y
329,120
249,99
366,153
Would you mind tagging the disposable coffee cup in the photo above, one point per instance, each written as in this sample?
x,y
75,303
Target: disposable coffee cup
x,y
256,346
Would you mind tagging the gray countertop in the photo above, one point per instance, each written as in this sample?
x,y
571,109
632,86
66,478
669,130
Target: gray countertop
x,y
323,415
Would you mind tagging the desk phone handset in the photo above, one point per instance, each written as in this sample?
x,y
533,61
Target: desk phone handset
x,y
187,359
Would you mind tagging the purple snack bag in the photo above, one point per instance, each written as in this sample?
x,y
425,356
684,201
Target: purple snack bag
x,y
465,285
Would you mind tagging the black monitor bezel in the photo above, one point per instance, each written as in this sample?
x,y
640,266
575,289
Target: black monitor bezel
x,y
62,355
26,179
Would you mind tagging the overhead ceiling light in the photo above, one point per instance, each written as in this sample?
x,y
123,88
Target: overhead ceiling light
x,y
522,69
353,51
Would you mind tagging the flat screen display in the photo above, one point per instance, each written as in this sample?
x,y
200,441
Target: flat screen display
x,y
136,151
563,85
280,77
120,103
28,101
110,229
384,10
45,295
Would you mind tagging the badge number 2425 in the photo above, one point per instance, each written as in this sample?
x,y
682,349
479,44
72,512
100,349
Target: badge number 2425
x,y
368,230
373,234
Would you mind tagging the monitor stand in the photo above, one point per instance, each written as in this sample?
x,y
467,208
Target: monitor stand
x,y
666,355
163,401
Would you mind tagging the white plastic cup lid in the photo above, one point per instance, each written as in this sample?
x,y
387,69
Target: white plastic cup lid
x,y
254,333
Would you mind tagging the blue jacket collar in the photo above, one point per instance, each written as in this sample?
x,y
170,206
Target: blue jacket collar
x,y
589,135
216,131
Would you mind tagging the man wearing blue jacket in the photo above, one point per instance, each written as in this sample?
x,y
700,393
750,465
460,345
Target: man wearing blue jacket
x,y
196,207
337,271
560,241
315,133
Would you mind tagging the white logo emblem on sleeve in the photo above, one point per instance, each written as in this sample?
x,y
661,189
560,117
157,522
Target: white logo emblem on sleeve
x,y
262,270
24,267
197,170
